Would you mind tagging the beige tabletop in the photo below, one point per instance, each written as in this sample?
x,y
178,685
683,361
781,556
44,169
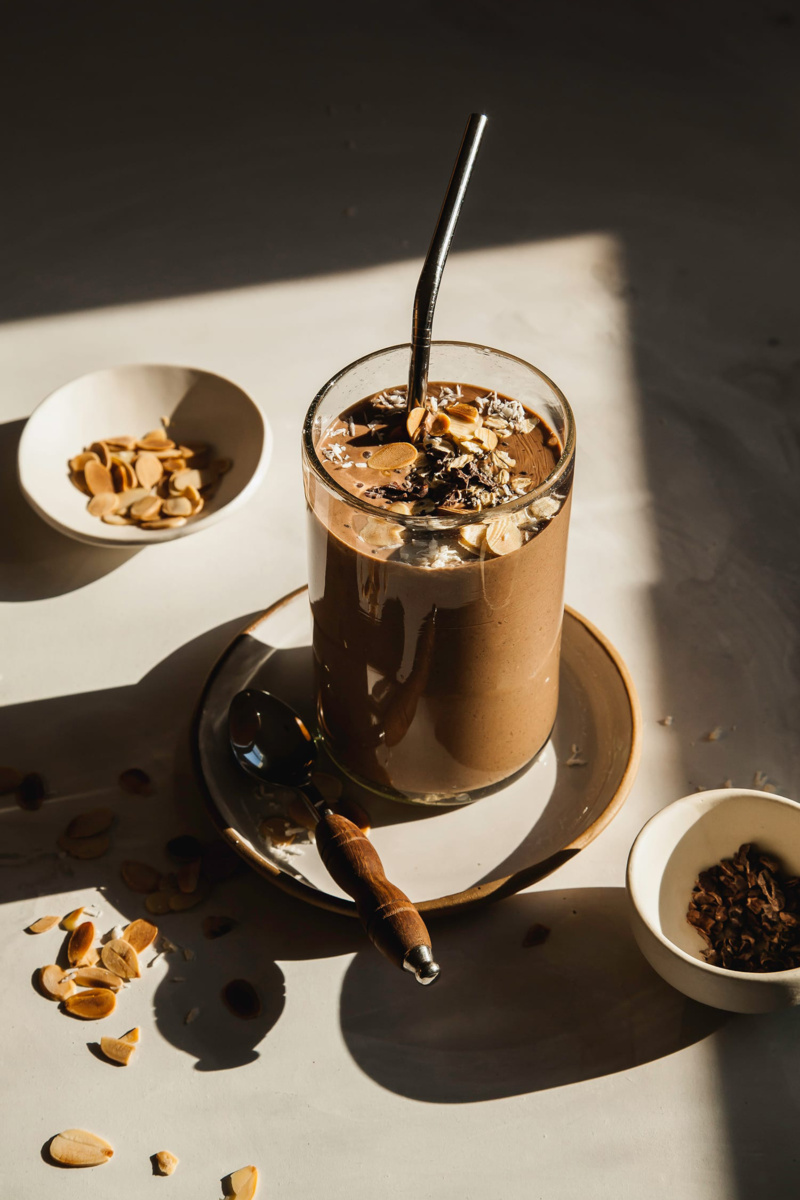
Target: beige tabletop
x,y
562,1070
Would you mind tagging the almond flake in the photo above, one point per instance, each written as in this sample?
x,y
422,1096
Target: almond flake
x,y
73,919
140,877
54,983
393,456
120,957
166,1162
102,504
140,934
157,903
118,1050
92,977
80,943
131,1036
77,1148
503,536
414,420
92,1004
148,469
98,478
147,508
472,537
43,924
242,1184
88,824
380,533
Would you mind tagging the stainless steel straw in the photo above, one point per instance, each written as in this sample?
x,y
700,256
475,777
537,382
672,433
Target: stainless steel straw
x,y
431,277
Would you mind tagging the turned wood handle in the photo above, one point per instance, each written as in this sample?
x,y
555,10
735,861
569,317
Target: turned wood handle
x,y
391,921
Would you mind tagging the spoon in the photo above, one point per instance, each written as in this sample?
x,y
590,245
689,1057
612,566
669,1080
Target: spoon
x,y
270,742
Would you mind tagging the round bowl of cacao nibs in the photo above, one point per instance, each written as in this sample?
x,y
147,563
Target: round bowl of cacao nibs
x,y
714,888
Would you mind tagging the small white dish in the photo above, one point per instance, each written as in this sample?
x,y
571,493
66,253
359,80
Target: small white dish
x,y
675,845
132,400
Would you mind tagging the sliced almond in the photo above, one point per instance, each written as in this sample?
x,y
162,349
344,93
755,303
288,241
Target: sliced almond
x,y
472,536
243,1183
77,1148
98,478
178,506
242,999
88,824
78,463
148,470
43,924
503,536
54,983
157,903
122,474
140,934
487,438
414,420
183,901
164,523
80,942
102,451
137,782
92,1004
72,920
383,534
146,509
84,848
124,442
131,1036
399,506
118,1050
463,412
94,977
439,424
174,464
120,957
182,480
158,436
392,456
129,498
166,1162
116,519
189,876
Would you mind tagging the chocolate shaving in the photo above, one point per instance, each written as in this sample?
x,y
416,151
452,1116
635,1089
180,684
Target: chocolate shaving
x,y
747,910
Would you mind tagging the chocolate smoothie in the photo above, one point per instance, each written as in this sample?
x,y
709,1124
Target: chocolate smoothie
x,y
437,609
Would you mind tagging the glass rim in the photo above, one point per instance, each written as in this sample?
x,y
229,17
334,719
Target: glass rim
x,y
440,520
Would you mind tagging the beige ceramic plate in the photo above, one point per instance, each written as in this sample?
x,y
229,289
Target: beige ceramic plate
x,y
444,858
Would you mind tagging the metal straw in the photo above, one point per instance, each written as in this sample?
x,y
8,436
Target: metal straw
x,y
431,277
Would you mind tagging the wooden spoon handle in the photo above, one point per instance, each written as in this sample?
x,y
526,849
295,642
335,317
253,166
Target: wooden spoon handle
x,y
390,920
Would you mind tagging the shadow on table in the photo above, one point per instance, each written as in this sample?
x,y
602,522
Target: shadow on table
x,y
505,1020
35,561
80,744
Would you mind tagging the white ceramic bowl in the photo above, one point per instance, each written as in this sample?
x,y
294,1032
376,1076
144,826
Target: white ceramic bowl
x,y
671,850
131,400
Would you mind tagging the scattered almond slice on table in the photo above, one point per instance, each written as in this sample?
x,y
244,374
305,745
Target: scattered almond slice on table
x,y
43,924
242,1184
131,1036
118,1050
79,1148
80,943
140,934
120,957
94,977
166,1162
55,983
92,1004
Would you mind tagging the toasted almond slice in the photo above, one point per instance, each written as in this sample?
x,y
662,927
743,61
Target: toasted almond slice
x,y
393,456
120,957
183,901
140,934
146,509
78,480
118,1050
400,506
165,1162
178,506
157,903
124,442
73,919
130,497
503,536
131,1036
123,474
174,464
439,424
189,876
54,983
98,478
182,480
94,977
116,519
378,532
487,438
92,1004
80,942
88,824
414,420
164,523
43,924
77,1148
154,435
242,999
148,470
194,498
472,536
84,848
464,412
102,451
78,463
243,1183
137,782
352,811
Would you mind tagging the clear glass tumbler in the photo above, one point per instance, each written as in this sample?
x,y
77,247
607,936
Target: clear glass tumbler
x,y
436,677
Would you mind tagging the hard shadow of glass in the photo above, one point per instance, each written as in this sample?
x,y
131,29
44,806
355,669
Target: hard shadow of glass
x,y
81,743
506,1020
35,560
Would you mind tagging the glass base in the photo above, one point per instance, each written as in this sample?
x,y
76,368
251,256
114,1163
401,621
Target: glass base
x,y
431,799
